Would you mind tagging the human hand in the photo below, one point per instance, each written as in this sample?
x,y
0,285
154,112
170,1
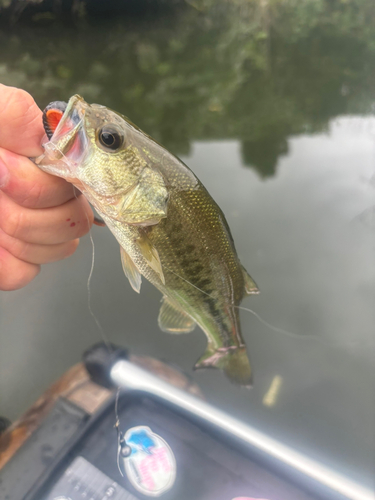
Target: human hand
x,y
40,217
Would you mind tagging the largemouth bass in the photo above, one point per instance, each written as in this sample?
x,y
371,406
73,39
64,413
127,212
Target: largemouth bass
x,y
169,228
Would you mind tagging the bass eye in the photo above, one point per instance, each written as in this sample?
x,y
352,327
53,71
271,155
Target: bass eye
x,y
110,138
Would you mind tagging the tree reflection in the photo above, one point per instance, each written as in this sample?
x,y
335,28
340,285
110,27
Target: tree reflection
x,y
254,71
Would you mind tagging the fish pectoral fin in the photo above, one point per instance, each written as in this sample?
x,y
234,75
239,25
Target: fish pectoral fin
x,y
151,255
145,204
251,288
232,360
131,272
172,319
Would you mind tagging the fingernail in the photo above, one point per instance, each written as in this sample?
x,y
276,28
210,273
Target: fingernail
x,y
4,174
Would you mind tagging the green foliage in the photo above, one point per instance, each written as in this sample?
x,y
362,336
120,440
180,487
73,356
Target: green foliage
x,y
254,70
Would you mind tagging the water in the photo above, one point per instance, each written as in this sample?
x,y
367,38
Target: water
x,y
273,108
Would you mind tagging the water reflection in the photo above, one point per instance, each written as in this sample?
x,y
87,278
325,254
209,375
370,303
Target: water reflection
x,y
256,72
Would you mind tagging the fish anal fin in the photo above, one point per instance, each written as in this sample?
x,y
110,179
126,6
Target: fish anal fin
x,y
131,272
172,319
151,255
251,288
232,360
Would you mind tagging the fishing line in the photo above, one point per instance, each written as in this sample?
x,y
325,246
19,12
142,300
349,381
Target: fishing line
x,y
119,433
121,444
280,330
259,318
100,328
122,448
103,334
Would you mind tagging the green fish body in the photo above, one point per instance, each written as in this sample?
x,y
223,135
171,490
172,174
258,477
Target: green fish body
x,y
169,228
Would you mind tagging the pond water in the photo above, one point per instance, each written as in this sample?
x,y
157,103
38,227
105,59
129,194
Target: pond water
x,y
273,109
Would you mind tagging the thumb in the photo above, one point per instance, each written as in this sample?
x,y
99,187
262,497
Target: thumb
x,y
21,128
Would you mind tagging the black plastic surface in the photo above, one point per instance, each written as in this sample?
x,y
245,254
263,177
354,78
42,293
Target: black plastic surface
x,y
206,468
82,480
44,445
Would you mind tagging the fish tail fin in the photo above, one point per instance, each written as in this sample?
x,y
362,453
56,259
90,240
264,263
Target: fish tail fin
x,y
238,368
232,360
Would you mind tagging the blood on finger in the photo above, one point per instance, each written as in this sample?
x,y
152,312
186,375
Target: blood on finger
x,y
45,226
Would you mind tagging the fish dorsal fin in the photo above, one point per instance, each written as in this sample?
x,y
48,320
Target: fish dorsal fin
x,y
151,255
145,204
172,319
131,272
251,288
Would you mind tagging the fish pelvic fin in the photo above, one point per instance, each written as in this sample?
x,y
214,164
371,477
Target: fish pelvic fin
x,y
131,272
174,320
232,360
251,288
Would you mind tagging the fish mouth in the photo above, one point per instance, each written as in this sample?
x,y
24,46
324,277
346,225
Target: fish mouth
x,y
66,147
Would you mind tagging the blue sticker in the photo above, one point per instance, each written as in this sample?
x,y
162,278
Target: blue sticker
x,y
151,466
140,440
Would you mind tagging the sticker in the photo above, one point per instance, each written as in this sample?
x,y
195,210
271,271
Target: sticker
x,y
151,466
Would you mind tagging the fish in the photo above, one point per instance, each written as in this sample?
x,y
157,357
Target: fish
x,y
169,228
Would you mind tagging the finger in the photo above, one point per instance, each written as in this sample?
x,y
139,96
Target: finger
x,y
37,254
15,273
46,226
21,119
29,186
